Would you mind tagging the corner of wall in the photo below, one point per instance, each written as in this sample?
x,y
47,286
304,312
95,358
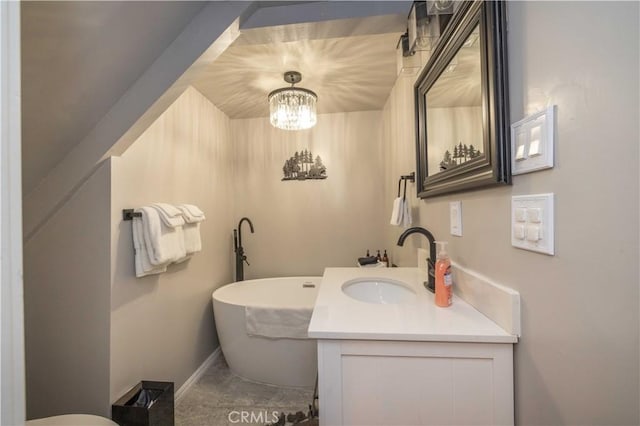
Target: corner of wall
x,y
66,289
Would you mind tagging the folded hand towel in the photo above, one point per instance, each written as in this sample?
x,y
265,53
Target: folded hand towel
x,y
193,216
191,233
168,209
396,214
277,322
165,244
170,215
184,259
141,255
191,213
406,213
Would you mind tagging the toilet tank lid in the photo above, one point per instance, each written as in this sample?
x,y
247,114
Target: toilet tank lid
x,y
72,420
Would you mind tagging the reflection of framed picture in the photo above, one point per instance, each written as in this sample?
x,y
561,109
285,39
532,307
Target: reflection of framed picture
x,y
462,125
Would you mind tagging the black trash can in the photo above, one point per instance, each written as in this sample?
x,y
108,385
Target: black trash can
x,y
146,404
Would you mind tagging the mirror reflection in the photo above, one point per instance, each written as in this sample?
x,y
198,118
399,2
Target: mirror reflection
x,y
454,110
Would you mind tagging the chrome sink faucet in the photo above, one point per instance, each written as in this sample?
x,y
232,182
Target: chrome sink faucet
x,y
431,268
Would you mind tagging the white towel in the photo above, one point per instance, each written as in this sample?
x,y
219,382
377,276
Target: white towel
x,y
184,259
396,214
141,255
192,216
277,322
406,213
191,213
165,244
192,241
170,215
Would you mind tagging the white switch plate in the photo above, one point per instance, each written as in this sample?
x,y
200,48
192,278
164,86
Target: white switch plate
x,y
455,218
532,141
537,220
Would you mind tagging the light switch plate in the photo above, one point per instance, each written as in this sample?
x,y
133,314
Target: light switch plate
x,y
532,141
537,224
455,218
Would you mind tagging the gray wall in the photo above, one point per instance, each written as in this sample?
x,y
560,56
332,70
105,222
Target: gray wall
x,y
577,360
301,227
162,326
66,302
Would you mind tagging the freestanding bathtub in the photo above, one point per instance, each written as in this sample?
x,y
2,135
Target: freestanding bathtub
x,y
277,361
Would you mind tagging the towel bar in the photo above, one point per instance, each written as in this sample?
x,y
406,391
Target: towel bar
x,y
410,177
129,214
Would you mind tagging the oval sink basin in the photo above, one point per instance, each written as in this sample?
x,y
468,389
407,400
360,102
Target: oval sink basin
x,y
380,291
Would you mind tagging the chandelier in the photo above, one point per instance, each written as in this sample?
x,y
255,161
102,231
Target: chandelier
x,y
292,108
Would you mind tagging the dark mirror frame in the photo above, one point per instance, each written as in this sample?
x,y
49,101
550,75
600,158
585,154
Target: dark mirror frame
x,y
494,167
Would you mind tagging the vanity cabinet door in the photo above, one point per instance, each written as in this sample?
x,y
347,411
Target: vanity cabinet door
x,y
416,383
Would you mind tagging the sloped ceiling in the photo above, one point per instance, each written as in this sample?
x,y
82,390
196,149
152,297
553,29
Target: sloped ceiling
x,y
78,59
347,73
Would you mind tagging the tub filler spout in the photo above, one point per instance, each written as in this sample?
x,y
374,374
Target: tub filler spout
x,y
239,250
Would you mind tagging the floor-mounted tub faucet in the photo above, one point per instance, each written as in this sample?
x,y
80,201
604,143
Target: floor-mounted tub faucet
x,y
431,286
239,250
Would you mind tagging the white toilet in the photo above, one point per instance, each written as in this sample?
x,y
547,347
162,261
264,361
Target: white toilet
x,y
72,420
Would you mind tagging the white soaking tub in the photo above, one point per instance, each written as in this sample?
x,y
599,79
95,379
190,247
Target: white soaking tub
x,y
278,361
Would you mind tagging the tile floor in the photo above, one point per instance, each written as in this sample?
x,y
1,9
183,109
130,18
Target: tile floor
x,y
220,398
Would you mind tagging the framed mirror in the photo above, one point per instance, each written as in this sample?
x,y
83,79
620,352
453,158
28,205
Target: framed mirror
x,y
462,109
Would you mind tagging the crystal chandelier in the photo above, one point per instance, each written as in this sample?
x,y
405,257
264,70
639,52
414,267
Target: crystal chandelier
x,y
292,108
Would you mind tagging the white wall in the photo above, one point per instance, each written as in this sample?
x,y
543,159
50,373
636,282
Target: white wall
x,y
162,326
66,292
578,360
303,226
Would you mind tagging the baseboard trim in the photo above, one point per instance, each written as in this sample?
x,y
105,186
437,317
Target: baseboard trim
x,y
197,374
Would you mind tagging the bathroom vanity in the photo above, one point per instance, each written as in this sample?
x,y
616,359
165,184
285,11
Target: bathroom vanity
x,y
388,355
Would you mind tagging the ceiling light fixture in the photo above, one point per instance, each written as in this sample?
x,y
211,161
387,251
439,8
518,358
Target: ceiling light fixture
x,y
292,108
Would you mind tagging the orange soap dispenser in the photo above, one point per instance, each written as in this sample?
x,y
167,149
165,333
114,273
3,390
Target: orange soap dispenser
x,y
443,275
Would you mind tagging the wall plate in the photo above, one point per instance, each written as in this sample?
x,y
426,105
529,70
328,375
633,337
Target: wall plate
x,y
455,218
532,220
532,141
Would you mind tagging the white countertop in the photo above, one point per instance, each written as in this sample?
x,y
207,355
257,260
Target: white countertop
x,y
338,316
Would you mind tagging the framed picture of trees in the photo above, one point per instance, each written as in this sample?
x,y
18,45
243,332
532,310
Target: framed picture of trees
x,y
302,166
